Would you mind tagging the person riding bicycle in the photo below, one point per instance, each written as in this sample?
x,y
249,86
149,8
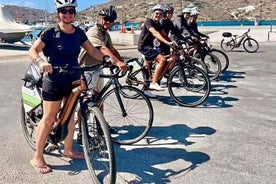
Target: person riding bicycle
x,y
152,33
61,44
168,26
193,25
99,36
181,24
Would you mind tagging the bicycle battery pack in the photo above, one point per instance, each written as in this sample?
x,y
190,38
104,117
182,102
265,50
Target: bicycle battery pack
x,y
226,34
31,94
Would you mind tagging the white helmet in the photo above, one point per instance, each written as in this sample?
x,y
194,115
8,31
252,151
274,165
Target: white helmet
x,y
194,13
65,3
186,10
158,7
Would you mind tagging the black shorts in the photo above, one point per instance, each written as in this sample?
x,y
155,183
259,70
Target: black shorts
x,y
149,53
55,90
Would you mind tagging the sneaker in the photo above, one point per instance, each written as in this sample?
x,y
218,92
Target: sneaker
x,y
156,87
150,94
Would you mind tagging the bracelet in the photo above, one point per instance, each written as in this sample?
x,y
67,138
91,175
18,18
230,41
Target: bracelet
x,y
37,60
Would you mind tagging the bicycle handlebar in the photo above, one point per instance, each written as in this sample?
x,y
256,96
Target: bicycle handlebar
x,y
99,66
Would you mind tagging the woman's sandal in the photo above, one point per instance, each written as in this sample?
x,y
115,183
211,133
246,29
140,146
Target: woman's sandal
x,y
43,169
75,155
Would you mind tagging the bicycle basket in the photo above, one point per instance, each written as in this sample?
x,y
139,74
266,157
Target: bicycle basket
x,y
226,34
33,74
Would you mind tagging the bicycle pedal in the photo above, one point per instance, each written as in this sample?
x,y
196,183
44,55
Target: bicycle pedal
x,y
51,148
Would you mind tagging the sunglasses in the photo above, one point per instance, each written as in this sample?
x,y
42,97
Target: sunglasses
x,y
158,14
70,11
169,12
108,19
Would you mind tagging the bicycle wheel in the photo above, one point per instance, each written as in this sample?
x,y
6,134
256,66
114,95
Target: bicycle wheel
x,y
188,86
197,62
250,45
97,147
212,63
137,77
223,58
227,45
132,118
29,124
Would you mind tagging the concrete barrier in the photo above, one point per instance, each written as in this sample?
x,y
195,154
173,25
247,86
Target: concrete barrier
x,y
128,38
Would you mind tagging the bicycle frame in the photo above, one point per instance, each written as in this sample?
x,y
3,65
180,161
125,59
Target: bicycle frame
x,y
112,80
239,39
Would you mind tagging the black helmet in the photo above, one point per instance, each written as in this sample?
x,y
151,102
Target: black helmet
x,y
109,13
169,8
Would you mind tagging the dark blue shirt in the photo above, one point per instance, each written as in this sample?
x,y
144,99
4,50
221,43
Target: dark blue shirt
x,y
61,48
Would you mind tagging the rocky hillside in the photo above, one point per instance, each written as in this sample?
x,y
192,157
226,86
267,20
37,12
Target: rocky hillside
x,y
133,10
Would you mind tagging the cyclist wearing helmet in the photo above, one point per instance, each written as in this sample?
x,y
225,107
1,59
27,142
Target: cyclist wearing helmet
x,y
152,31
61,44
181,24
99,36
193,24
169,28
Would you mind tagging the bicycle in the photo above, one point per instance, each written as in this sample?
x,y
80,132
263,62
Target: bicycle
x,y
206,47
97,144
211,62
187,84
230,41
126,109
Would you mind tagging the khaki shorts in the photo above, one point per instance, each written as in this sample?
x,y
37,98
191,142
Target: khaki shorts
x,y
94,80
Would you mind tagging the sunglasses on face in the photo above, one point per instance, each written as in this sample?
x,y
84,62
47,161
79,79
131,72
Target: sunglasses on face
x,y
70,11
169,12
108,19
158,14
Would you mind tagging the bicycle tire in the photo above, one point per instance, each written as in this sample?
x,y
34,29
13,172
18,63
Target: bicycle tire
x,y
212,63
250,45
188,86
29,128
97,147
223,57
197,62
133,125
227,45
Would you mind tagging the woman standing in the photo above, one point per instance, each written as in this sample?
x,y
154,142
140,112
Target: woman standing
x,y
61,44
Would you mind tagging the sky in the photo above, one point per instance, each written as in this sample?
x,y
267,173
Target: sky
x,y
49,4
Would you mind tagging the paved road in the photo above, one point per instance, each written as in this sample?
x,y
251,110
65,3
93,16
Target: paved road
x,y
229,139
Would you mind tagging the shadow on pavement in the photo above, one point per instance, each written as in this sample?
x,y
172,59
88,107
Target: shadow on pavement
x,y
230,76
73,167
218,89
145,163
